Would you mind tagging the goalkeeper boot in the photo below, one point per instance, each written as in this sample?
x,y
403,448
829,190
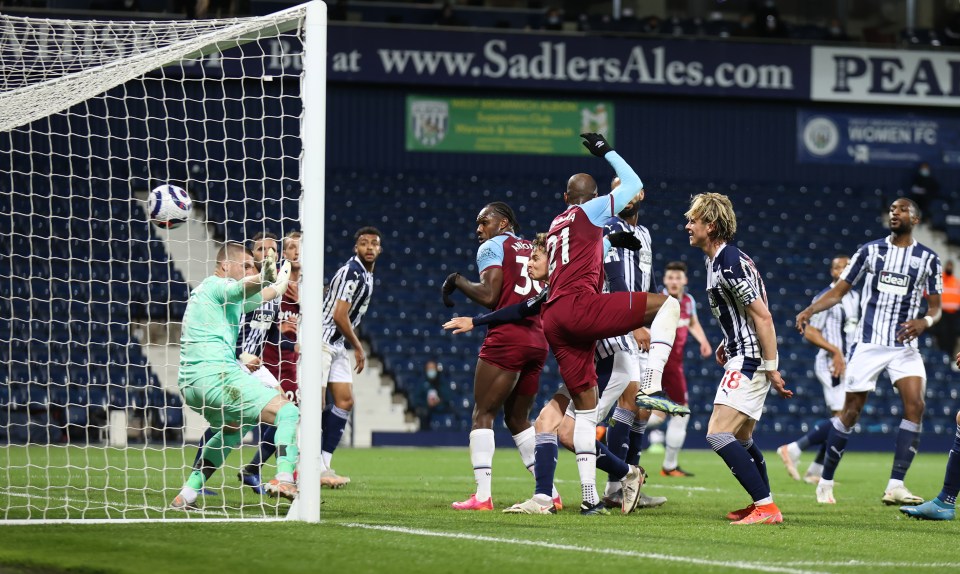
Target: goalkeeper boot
x,y
252,480
180,503
278,489
930,510
658,401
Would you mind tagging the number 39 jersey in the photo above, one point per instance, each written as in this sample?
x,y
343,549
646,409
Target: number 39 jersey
x,y
511,253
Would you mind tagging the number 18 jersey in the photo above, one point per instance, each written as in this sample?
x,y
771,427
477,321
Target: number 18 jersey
x,y
511,254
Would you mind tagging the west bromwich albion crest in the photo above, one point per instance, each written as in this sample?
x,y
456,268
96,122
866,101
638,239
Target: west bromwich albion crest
x,y
429,121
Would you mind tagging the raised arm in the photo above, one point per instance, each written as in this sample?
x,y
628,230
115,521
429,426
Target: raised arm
x,y
599,208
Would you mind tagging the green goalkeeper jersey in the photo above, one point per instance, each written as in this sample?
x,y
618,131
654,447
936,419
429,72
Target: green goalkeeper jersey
x,y
211,324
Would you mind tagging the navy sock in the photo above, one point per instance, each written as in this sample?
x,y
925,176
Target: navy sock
x,y
545,462
836,444
741,464
610,463
207,435
758,460
951,479
265,450
908,439
817,435
334,421
636,442
821,453
618,434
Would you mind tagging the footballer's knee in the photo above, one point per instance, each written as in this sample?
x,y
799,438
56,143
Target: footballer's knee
x,y
517,423
913,408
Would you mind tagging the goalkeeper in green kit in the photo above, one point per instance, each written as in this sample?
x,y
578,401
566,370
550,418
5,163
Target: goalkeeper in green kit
x,y
215,385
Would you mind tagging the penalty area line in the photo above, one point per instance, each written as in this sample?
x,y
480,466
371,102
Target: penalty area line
x,y
739,564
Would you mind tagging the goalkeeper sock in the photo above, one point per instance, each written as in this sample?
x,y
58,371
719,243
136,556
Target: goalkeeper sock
x,y
264,451
214,452
207,435
286,440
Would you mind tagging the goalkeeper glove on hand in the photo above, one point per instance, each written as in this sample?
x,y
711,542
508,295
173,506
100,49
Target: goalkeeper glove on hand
x,y
283,280
596,144
449,286
626,240
268,271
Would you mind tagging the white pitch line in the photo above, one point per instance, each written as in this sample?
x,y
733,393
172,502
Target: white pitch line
x,y
605,551
860,563
106,503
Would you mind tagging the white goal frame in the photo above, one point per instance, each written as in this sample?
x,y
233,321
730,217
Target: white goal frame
x,y
16,109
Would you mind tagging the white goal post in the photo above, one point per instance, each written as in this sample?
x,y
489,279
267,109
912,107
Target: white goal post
x,y
93,115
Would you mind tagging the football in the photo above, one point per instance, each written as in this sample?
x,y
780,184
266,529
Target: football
x,y
169,206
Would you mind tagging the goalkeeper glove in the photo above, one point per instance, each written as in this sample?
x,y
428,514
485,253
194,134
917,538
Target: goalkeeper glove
x,y
596,144
268,270
626,240
449,286
283,280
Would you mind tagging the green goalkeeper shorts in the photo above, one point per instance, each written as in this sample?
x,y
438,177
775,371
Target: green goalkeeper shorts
x,y
231,397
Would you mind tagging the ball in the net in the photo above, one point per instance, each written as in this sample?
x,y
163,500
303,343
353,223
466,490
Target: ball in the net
x,y
169,206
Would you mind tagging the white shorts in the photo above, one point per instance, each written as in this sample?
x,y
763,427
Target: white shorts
x,y
336,365
743,394
263,375
869,360
833,395
626,368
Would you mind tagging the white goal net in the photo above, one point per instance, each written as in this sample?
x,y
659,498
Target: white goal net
x,y
94,115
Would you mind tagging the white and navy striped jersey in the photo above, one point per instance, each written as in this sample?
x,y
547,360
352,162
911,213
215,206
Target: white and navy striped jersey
x,y
733,283
625,270
838,325
254,327
354,284
895,280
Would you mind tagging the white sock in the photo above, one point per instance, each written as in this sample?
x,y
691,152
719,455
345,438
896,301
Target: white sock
x,y
793,449
815,468
676,434
663,331
764,501
284,477
894,483
481,456
585,447
526,442
656,419
327,457
825,482
189,494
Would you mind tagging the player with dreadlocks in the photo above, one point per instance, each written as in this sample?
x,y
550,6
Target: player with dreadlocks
x,y
508,369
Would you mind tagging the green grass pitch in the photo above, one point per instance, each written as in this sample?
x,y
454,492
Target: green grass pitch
x,y
395,517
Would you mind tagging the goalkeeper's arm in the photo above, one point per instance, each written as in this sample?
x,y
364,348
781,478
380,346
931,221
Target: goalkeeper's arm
x,y
278,287
268,274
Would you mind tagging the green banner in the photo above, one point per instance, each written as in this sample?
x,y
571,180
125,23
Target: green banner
x,y
490,125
